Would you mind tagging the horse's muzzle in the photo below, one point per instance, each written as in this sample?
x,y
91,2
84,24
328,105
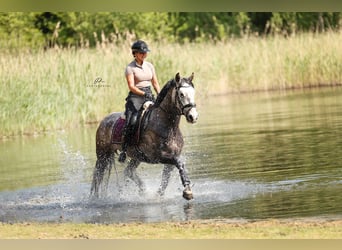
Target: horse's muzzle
x,y
192,115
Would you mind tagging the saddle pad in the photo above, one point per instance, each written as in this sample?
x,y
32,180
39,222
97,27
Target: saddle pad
x,y
118,130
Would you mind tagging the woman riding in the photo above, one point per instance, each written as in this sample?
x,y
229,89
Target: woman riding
x,y
140,75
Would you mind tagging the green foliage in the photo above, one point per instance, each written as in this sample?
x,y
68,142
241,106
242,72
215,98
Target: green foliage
x,y
87,29
17,30
291,22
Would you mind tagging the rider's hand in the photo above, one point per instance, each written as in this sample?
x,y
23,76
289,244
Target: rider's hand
x,y
148,96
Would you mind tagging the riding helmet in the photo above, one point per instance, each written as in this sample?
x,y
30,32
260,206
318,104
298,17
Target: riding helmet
x,y
140,46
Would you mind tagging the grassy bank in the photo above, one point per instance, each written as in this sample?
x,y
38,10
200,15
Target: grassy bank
x,y
272,229
56,89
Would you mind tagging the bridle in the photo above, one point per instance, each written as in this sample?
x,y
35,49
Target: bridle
x,y
183,109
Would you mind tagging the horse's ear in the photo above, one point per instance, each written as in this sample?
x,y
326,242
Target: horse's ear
x,y
191,77
177,78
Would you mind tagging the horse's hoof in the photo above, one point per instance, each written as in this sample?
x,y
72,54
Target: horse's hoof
x,y
187,193
122,157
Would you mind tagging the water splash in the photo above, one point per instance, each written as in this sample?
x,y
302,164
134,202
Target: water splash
x,y
73,163
68,200
61,203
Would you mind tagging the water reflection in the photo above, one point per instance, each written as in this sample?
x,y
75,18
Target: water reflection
x,y
251,156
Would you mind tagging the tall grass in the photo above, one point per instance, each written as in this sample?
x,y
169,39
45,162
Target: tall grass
x,y
56,89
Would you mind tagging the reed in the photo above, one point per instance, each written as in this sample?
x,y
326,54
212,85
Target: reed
x,y
60,88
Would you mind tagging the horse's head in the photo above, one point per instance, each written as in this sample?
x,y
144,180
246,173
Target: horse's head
x,y
185,97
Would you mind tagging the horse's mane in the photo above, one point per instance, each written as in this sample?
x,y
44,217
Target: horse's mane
x,y
164,92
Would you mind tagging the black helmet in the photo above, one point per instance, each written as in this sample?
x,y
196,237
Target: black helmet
x,y
140,46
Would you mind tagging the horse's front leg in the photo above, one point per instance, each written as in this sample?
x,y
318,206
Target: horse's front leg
x,y
187,193
130,172
165,178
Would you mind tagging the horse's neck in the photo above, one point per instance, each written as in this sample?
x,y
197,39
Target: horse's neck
x,y
167,110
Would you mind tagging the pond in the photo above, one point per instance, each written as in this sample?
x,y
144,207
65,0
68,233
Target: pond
x,y
250,156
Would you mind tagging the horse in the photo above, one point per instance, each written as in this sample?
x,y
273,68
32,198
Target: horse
x,y
160,142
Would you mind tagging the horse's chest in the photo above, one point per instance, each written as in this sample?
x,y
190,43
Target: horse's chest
x,y
173,144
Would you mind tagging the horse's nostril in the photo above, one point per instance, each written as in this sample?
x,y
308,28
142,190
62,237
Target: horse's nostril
x,y
191,118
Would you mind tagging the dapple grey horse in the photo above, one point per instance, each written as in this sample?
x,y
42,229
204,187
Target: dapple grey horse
x,y
161,140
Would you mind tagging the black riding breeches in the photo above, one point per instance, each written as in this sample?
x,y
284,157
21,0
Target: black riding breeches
x,y
134,102
133,105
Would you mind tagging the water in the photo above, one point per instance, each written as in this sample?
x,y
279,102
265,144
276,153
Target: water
x,y
251,156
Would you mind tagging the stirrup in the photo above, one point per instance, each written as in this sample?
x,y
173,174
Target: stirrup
x,y
122,156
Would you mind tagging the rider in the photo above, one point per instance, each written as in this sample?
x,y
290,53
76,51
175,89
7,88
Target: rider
x,y
140,75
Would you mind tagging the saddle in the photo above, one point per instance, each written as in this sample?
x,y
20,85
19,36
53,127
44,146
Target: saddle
x,y
119,126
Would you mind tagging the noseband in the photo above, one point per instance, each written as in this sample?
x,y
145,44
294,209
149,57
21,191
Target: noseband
x,y
188,106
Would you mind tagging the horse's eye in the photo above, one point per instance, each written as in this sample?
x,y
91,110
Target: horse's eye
x,y
181,95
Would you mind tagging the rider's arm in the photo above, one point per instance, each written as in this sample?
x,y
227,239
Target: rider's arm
x,y
131,85
155,83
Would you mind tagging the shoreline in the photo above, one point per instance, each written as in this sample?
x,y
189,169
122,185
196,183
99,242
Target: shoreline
x,y
302,228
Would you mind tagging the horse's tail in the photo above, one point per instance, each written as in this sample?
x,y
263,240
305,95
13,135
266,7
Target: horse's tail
x,y
105,151
97,179
101,175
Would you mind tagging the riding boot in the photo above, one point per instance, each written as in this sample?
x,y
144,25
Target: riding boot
x,y
125,143
128,134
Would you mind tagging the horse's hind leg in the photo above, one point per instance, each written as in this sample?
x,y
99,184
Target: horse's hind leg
x,y
165,178
130,172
